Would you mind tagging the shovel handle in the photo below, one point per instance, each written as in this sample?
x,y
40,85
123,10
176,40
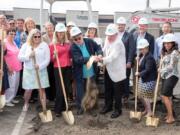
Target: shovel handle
x,y
137,81
2,57
61,78
156,87
39,84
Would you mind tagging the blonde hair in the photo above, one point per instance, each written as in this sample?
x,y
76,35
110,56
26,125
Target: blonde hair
x,y
30,36
27,20
55,39
96,32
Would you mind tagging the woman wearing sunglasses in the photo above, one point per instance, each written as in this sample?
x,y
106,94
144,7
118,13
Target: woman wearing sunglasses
x,y
61,48
34,47
14,67
82,49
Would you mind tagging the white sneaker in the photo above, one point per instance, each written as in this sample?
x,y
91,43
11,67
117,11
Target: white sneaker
x,y
14,101
25,108
10,104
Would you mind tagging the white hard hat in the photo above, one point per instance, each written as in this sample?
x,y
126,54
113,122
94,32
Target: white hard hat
x,y
143,21
71,24
92,25
169,38
121,20
75,31
60,27
142,43
111,29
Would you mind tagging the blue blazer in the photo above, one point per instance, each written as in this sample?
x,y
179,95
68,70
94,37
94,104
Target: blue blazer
x,y
78,59
147,68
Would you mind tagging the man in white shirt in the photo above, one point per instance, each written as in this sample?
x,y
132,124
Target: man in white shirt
x,y
115,73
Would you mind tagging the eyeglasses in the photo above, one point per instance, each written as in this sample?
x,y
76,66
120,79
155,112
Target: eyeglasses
x,y
11,23
78,38
37,37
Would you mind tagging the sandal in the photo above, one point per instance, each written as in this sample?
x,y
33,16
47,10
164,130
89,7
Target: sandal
x,y
25,108
165,118
169,122
144,113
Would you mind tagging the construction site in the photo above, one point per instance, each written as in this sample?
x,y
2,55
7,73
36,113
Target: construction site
x,y
14,121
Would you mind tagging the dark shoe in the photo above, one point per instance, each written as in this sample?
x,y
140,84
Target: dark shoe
x,y
125,100
32,101
116,114
93,113
80,112
105,110
58,114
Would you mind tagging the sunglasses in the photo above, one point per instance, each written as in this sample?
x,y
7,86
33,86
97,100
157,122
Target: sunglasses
x,y
77,39
37,37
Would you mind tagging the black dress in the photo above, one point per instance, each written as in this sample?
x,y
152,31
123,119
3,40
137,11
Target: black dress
x,y
5,81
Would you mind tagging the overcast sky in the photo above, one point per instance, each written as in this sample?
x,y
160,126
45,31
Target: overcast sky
x,y
103,6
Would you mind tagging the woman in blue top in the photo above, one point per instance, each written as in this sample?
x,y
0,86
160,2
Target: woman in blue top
x,y
82,49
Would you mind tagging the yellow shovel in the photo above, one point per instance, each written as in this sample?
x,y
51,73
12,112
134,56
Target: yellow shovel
x,y
153,121
134,115
2,97
46,115
68,115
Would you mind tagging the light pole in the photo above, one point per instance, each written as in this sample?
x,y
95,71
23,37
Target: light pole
x,y
40,14
169,3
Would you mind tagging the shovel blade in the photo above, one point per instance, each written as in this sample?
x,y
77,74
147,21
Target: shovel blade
x,y
152,121
135,116
68,117
2,101
46,117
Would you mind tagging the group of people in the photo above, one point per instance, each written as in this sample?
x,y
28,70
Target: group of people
x,y
27,50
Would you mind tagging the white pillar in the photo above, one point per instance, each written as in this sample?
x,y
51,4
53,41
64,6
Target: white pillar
x,y
89,10
169,3
40,14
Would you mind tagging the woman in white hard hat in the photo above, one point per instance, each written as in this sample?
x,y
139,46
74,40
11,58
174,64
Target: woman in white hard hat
x,y
115,73
169,73
69,25
82,49
63,46
147,75
92,32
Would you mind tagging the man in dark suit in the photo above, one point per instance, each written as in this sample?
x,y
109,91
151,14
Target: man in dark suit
x,y
129,43
142,34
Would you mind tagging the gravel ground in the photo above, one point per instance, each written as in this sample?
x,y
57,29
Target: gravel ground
x,y
104,125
